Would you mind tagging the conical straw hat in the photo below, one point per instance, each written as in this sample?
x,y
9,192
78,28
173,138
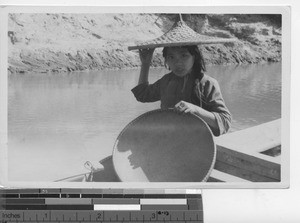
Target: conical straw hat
x,y
180,35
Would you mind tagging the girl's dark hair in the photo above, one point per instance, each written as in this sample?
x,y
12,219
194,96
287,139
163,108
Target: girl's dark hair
x,y
199,64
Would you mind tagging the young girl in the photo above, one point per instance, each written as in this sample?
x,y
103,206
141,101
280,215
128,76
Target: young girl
x,y
186,88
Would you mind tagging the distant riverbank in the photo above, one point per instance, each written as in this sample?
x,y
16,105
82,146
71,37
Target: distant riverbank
x,y
79,42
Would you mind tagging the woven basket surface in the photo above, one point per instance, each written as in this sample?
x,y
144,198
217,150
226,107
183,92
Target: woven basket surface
x,y
164,146
180,34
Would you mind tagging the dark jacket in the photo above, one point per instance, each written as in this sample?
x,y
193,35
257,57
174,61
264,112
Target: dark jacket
x,y
203,92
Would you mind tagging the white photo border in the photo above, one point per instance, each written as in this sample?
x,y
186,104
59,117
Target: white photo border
x,y
285,11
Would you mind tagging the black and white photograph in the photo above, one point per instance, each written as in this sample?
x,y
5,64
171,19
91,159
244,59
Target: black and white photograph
x,y
188,97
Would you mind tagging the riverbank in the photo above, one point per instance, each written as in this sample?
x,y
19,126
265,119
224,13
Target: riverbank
x,y
77,42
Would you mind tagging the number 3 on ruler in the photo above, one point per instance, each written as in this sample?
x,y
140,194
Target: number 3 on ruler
x,y
153,216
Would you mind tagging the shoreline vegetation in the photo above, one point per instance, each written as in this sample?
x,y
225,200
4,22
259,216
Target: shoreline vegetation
x,y
47,43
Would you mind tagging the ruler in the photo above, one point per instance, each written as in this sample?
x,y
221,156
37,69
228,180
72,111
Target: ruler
x,y
92,205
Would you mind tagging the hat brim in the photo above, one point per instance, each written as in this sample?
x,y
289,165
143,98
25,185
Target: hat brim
x,y
178,44
180,35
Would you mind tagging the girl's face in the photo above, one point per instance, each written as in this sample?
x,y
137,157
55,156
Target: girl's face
x,y
179,60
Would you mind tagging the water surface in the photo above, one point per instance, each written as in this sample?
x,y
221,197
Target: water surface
x,y
56,122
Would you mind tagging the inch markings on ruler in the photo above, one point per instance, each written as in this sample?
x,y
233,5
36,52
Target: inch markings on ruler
x,y
101,216
72,205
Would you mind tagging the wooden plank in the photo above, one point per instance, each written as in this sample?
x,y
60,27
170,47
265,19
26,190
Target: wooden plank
x,y
259,164
218,176
242,173
255,139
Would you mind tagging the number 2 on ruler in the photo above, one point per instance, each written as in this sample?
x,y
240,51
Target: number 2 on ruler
x,y
98,217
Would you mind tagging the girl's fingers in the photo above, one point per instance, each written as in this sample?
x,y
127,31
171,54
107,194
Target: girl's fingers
x,y
184,107
146,51
180,105
146,55
188,110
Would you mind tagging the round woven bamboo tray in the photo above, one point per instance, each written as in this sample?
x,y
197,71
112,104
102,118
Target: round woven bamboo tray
x,y
164,146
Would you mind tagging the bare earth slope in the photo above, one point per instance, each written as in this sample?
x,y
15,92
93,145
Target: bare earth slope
x,y
75,42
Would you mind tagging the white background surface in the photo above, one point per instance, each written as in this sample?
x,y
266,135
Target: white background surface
x,y
240,205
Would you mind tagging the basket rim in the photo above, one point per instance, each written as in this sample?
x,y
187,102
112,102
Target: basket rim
x,y
114,153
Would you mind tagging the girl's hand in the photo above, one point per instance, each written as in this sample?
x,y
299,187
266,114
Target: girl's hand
x,y
207,116
146,55
186,107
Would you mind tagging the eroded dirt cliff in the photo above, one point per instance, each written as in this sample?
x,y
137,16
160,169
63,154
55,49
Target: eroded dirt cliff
x,y
76,42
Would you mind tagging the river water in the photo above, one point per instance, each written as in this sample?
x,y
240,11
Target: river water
x,y
56,122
